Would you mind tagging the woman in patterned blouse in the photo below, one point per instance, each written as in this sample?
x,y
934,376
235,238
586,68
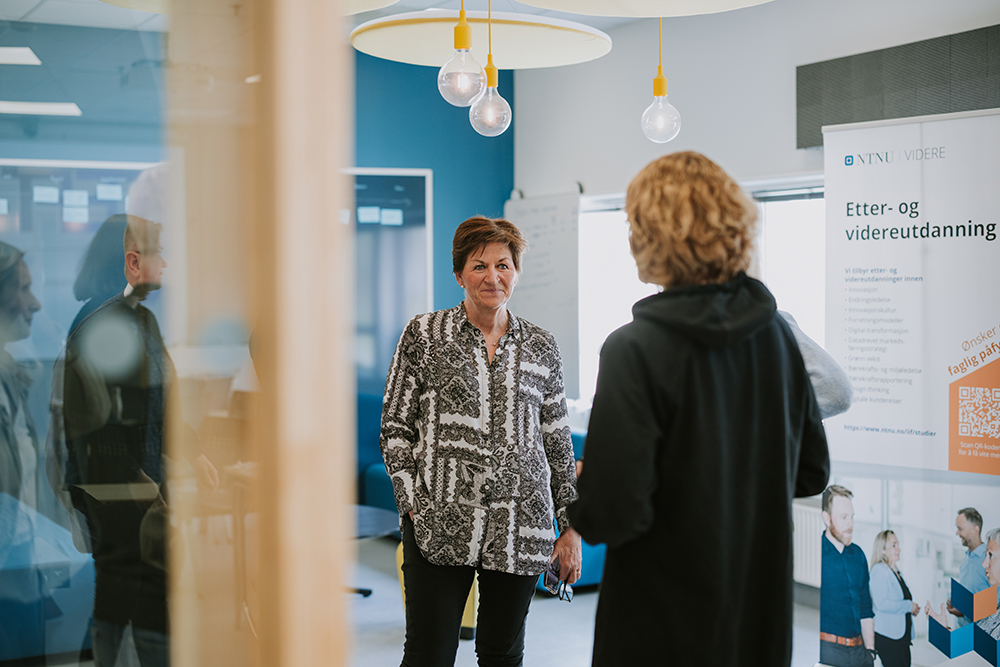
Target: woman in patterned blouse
x,y
476,439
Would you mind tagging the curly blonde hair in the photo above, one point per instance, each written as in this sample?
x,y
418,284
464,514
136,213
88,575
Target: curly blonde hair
x,y
690,222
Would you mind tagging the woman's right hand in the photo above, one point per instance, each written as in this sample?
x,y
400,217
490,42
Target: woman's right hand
x,y
916,609
941,618
411,515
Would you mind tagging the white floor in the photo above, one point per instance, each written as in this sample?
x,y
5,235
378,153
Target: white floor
x,y
559,634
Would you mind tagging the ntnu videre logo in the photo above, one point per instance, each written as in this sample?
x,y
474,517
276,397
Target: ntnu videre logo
x,y
888,157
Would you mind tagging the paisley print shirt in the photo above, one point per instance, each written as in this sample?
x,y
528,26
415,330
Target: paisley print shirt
x,y
480,452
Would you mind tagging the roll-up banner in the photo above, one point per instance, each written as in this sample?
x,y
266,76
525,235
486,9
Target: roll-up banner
x,y
913,290
913,317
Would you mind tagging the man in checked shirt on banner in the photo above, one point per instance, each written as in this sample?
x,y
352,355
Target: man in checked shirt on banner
x,y
846,618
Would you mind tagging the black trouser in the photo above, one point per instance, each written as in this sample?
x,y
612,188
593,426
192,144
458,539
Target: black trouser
x,y
894,652
837,655
435,602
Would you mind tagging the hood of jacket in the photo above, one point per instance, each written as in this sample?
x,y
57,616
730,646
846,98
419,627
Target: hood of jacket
x,y
715,315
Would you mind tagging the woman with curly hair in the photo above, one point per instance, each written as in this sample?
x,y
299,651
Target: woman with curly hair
x,y
703,429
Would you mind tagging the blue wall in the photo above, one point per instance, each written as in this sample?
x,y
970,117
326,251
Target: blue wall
x,y
403,122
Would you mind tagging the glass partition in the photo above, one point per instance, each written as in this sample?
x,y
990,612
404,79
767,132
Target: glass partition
x,y
167,364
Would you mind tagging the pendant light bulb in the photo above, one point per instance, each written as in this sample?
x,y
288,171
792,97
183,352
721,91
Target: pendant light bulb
x,y
462,79
661,121
490,115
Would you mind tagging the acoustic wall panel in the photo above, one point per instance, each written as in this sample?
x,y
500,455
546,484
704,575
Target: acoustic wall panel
x,y
959,72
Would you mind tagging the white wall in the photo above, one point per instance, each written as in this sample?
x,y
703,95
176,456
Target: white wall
x,y
731,76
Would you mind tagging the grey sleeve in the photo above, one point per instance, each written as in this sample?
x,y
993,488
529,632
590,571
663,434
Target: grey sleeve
x,y
830,382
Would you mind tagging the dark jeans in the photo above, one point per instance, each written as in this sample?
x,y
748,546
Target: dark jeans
x,y
894,652
435,601
838,655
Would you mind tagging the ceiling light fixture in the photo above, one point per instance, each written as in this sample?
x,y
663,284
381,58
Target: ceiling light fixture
x,y
153,6
661,122
349,7
490,114
462,78
18,55
526,40
41,108
643,8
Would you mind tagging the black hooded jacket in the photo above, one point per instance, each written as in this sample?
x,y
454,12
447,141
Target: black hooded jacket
x,y
703,429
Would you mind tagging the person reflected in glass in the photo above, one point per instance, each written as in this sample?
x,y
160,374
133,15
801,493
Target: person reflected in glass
x,y
19,451
100,277
892,602
475,436
704,427
19,462
117,380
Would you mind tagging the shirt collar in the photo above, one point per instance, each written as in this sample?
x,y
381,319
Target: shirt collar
x,y
130,298
828,545
514,327
979,551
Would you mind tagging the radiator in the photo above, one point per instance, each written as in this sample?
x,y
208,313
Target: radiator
x,y
807,544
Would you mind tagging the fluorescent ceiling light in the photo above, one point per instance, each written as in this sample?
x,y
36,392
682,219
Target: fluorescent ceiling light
x,y
18,55
41,108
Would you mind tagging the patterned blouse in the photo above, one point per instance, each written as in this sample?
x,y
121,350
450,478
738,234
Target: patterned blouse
x,y
480,452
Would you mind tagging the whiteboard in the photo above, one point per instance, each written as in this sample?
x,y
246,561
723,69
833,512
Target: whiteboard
x,y
548,292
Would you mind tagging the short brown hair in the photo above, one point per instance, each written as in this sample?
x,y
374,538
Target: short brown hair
x,y
834,490
973,516
479,231
690,222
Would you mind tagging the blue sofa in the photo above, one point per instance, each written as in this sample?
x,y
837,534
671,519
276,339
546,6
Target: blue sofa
x,y
375,487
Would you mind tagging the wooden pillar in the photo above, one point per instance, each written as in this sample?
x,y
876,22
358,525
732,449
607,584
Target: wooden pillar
x,y
260,117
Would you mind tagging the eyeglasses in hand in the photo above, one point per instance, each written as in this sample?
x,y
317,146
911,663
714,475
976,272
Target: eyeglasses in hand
x,y
556,586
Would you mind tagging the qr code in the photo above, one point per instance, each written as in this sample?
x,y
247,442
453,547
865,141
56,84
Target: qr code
x,y
979,412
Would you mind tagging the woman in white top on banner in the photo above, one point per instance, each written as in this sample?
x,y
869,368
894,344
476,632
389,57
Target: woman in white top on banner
x,y
892,602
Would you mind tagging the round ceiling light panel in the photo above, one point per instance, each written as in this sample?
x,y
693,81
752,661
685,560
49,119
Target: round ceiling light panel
x,y
154,6
520,41
643,8
351,7
348,7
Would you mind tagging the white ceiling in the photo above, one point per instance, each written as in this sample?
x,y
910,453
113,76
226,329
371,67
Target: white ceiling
x,y
97,14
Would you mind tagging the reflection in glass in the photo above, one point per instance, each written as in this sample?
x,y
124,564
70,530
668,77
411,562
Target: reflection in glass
x,y
107,489
101,276
45,582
